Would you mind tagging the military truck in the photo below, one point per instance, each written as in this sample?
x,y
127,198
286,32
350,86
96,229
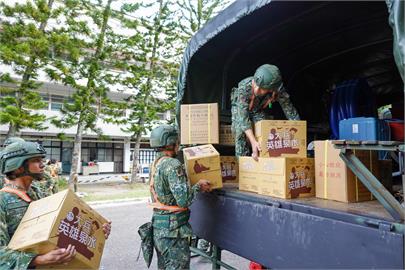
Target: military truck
x,y
316,45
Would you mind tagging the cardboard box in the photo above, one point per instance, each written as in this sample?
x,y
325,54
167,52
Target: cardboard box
x,y
282,138
287,178
202,162
278,177
60,220
229,169
249,174
199,123
225,135
335,181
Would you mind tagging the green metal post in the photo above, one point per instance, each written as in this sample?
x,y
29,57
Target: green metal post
x,y
373,185
216,255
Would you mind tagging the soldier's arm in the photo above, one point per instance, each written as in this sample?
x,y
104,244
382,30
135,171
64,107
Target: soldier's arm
x,y
241,111
181,190
289,110
11,259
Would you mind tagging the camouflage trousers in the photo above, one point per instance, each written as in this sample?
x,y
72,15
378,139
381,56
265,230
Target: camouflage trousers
x,y
172,253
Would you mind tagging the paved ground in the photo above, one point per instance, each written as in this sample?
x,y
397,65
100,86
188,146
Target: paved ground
x,y
122,248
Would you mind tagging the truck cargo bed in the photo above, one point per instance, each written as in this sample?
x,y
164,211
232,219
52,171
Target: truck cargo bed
x,y
299,233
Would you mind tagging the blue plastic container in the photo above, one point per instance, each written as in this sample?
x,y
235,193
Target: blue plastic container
x,y
365,129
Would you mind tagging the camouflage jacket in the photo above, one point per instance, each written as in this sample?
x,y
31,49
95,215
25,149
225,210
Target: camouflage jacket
x,y
172,188
35,192
242,117
12,210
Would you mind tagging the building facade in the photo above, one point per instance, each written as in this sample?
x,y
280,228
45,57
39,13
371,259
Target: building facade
x,y
112,155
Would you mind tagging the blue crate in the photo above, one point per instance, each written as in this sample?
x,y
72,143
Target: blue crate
x,y
365,129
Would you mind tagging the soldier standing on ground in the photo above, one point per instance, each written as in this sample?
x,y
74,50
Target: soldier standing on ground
x,y
50,181
249,101
22,163
172,195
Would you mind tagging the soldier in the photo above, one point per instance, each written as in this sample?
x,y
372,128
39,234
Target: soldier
x,y
50,180
36,191
172,195
22,163
249,101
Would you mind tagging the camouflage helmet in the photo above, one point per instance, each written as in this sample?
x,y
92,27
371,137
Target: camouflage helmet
x,y
268,77
11,140
13,156
162,136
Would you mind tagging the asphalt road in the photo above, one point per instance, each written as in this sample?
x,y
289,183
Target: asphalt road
x,y
121,250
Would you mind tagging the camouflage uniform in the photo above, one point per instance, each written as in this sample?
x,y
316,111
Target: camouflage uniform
x,y
35,192
171,231
12,210
48,183
243,118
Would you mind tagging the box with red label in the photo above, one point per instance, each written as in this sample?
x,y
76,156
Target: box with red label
x,y
60,220
287,178
229,169
282,138
202,162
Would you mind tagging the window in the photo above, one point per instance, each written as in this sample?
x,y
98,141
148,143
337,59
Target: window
x,y
56,102
56,106
85,155
44,96
101,154
146,156
118,145
67,144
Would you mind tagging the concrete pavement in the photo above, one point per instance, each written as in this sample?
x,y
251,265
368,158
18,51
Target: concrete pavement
x,y
121,250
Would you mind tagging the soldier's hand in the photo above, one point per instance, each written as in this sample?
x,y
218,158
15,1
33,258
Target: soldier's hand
x,y
205,185
107,229
255,150
56,256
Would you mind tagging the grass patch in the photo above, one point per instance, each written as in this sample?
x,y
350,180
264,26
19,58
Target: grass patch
x,y
133,194
62,183
108,191
102,192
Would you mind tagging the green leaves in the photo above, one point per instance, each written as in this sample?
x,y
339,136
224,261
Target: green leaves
x,y
25,46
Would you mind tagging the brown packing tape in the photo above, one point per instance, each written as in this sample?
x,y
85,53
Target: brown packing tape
x,y
209,123
189,124
325,171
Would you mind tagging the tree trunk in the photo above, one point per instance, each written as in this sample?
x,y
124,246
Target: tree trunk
x,y
135,155
76,156
12,131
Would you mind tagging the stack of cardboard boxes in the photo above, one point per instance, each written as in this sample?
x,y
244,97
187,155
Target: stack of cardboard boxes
x,y
200,126
283,170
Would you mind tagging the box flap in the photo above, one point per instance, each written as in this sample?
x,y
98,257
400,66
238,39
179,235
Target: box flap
x,y
44,206
32,232
200,151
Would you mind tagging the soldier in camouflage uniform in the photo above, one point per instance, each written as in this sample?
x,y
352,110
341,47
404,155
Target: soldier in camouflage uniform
x,y
22,163
36,190
249,101
172,195
49,182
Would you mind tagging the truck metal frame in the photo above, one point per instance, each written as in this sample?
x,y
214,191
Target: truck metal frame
x,y
312,43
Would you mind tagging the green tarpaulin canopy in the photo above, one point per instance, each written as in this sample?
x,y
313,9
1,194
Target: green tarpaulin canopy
x,y
315,44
